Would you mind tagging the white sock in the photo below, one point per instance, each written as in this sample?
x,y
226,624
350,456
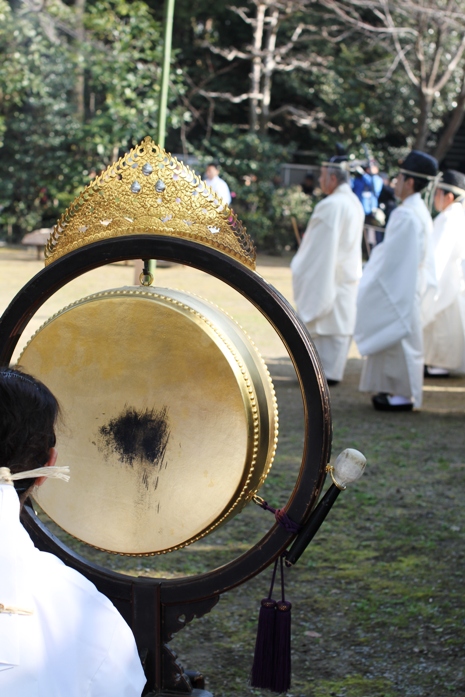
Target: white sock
x,y
397,399
432,370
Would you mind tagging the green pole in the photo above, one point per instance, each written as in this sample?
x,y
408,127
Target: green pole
x,y
165,72
150,264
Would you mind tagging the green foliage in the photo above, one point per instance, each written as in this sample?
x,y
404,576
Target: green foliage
x,y
292,202
251,166
39,127
50,145
123,54
354,106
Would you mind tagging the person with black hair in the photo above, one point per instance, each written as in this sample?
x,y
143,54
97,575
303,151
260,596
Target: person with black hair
x,y
59,637
444,336
397,284
219,186
387,200
308,184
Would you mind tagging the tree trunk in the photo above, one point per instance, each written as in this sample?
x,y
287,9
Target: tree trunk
x,y
211,113
453,125
255,75
80,7
426,104
268,69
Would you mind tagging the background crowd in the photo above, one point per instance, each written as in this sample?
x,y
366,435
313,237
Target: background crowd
x,y
407,315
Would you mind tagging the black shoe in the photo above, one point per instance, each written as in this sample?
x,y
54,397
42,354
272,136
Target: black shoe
x,y
332,382
381,403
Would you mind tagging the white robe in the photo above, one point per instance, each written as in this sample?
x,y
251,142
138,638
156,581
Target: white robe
x,y
325,275
220,187
75,643
396,289
444,336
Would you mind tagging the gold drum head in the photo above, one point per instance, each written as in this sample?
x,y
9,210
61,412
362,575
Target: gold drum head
x,y
169,418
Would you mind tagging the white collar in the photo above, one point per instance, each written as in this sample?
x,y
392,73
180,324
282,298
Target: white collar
x,y
412,200
343,188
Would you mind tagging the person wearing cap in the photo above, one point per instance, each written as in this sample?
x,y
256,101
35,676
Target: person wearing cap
x,y
219,186
444,336
367,185
327,268
396,287
59,637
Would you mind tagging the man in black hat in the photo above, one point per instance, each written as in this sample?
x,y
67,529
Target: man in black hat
x,y
444,336
397,283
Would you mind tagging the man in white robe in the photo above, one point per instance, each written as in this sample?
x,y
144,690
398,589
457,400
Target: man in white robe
x,y
398,280
59,637
444,336
327,268
219,186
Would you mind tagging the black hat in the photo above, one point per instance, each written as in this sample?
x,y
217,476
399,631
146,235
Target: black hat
x,y
453,181
420,164
337,159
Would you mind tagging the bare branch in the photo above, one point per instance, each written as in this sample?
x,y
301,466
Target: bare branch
x,y
452,66
234,99
295,63
402,54
228,53
356,20
242,12
302,117
387,73
438,51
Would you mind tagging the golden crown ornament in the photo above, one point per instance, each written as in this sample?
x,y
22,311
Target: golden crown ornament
x,y
149,192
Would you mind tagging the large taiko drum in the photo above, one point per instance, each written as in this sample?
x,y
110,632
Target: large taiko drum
x,y
169,418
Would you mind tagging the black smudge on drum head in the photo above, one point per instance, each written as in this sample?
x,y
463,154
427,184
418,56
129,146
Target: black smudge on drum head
x,y
137,435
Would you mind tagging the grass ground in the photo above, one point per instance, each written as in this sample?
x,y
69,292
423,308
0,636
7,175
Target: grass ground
x,y
378,600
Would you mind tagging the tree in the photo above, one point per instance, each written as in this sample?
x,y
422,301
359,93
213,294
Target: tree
x,y
240,83
280,34
39,125
78,83
313,107
123,51
426,38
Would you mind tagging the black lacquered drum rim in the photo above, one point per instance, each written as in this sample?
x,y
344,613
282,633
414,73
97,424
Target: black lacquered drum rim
x,y
280,315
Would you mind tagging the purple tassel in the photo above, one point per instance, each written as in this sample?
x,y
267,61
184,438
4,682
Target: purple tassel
x,y
281,681
272,660
262,668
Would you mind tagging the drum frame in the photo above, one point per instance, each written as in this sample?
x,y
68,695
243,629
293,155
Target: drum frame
x,y
157,608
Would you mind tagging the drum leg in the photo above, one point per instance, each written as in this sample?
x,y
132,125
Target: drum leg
x,y
154,624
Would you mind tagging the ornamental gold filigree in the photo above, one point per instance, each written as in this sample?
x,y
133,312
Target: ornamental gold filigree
x,y
150,192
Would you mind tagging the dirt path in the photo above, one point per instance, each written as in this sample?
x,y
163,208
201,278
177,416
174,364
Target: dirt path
x,y
378,602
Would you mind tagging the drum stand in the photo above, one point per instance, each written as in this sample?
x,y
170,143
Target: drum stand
x,y
156,609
